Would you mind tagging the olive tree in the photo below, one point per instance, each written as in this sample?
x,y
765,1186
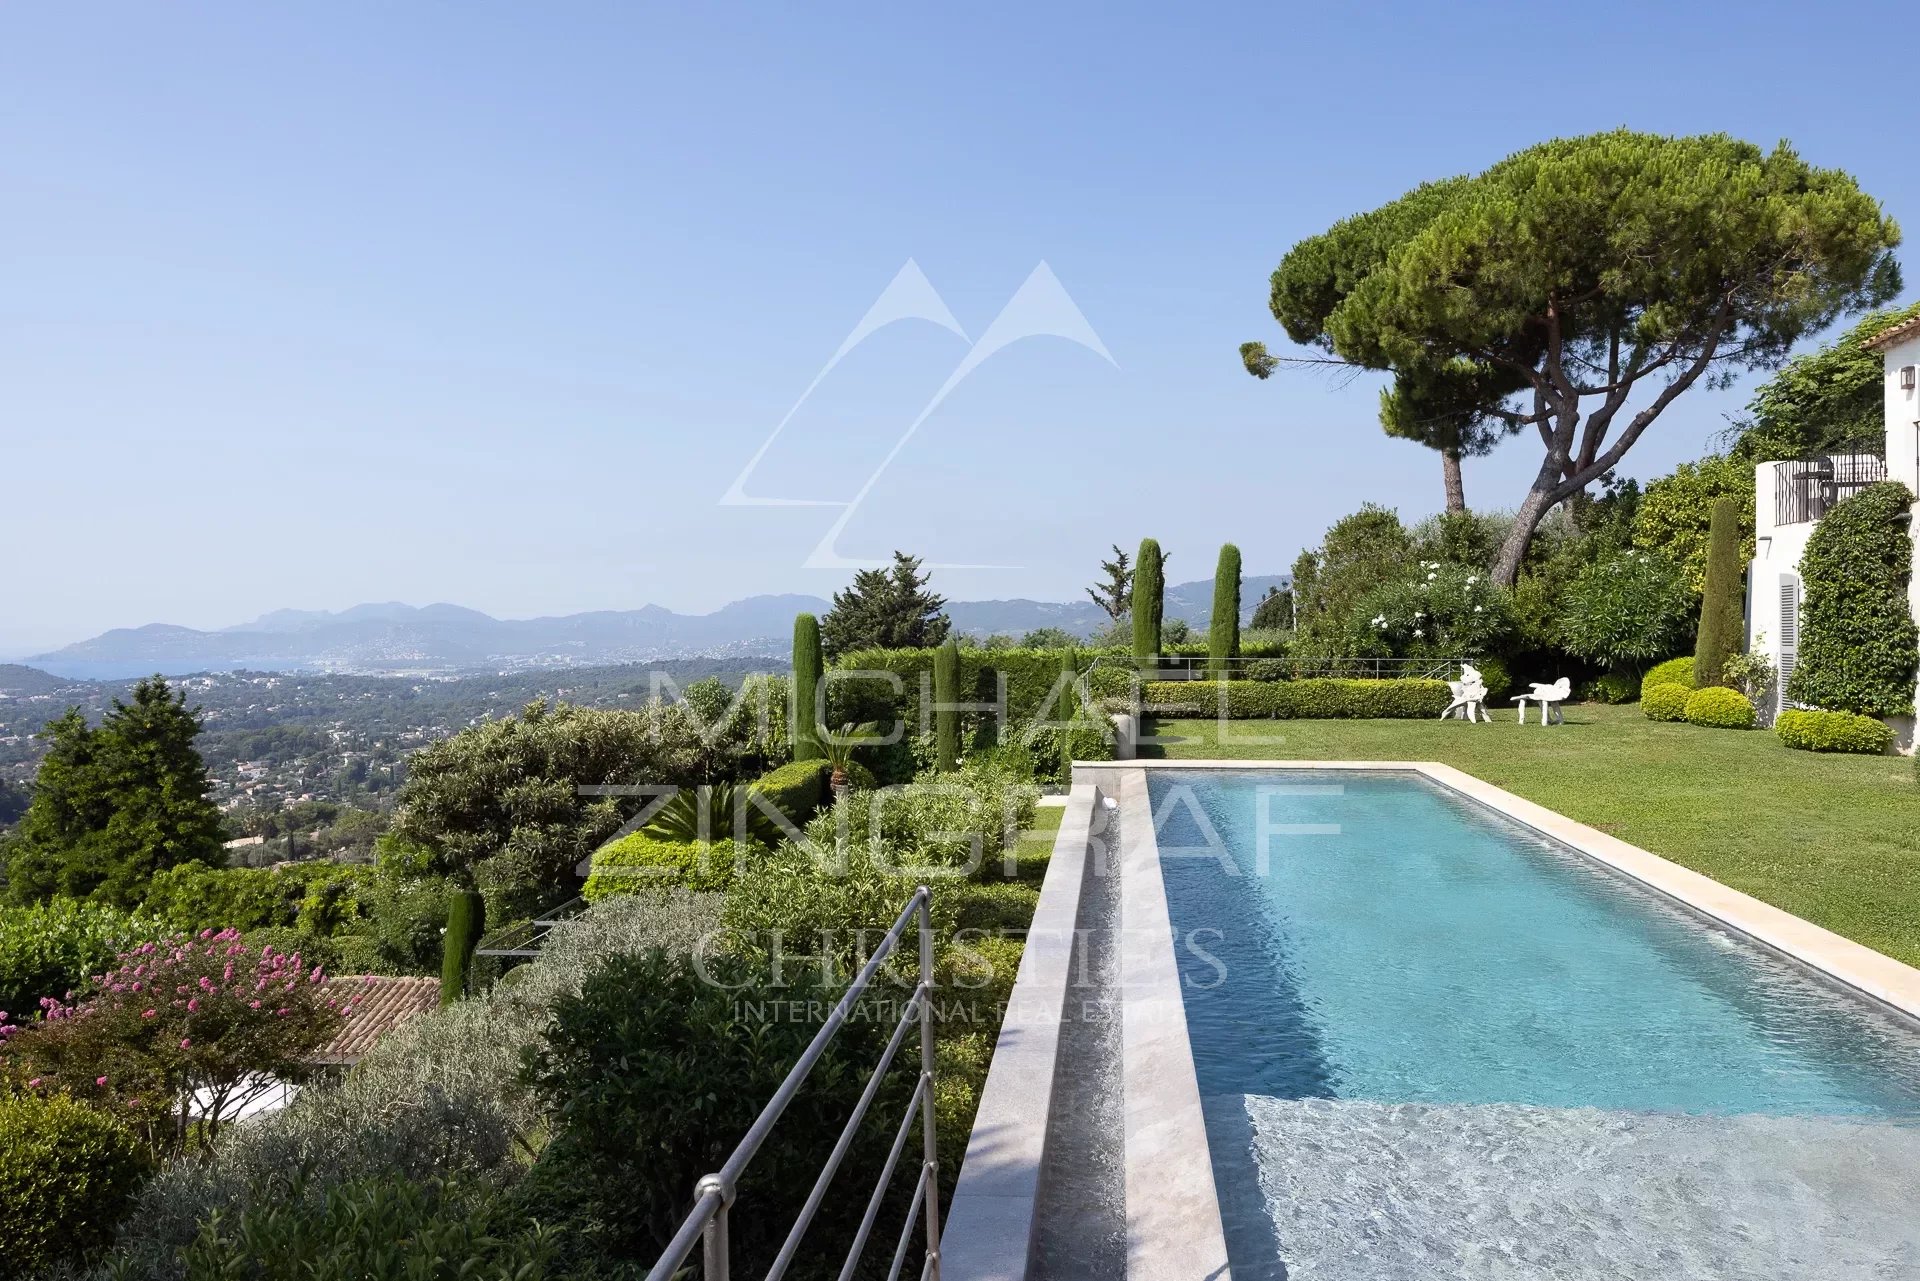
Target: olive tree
x,y
1576,288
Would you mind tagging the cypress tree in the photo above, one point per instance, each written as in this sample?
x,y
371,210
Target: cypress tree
x,y
806,686
1149,599
1069,712
1223,630
1720,612
466,921
946,686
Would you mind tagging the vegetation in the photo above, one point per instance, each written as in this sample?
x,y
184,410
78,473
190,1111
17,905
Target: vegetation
x,y
466,922
1223,628
1149,599
1722,600
1675,671
51,949
1114,592
1675,515
805,714
67,1173
886,609
1828,837
1315,699
1833,732
946,693
1826,401
1717,707
1665,702
1576,273
1858,642
116,804
1626,610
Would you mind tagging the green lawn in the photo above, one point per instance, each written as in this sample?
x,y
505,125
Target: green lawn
x,y
1835,839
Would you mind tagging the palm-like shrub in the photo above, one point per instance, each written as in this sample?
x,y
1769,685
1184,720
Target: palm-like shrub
x,y
712,812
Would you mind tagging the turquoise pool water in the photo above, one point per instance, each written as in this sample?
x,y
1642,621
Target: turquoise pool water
x,y
1408,1011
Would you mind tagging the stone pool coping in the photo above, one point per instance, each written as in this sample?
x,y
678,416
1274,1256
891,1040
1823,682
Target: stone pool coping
x,y
1852,964
990,1222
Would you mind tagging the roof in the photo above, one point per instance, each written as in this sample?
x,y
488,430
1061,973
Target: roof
x,y
1897,333
385,1002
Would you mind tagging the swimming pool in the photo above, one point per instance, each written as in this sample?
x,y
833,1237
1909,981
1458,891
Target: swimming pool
x,y
1430,1041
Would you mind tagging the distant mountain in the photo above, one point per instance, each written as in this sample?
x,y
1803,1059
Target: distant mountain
x,y
396,637
27,682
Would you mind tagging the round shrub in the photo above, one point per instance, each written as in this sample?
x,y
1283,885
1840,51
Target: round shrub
x,y
67,1173
1833,732
1675,671
1666,702
1718,707
1498,676
1614,687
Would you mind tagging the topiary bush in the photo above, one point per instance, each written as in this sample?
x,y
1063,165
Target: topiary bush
x,y
1722,616
1858,642
804,715
1717,707
67,1174
1149,599
643,862
1223,627
466,922
1675,671
946,719
797,789
1811,731
1666,702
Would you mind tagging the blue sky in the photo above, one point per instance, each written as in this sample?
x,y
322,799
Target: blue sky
x,y
310,305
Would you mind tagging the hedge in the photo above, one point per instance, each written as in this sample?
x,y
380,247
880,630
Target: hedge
x,y
1857,635
797,789
67,1174
1666,702
319,897
1311,699
1833,732
1717,707
1675,671
1031,676
49,949
640,862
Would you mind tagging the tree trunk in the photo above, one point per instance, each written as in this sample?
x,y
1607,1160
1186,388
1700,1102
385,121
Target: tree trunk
x,y
1533,509
1450,470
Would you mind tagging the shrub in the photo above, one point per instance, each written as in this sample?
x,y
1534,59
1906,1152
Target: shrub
x,y
192,1023
1268,669
628,1073
1149,599
1675,671
1317,698
1811,731
805,713
1625,609
1718,707
1665,702
385,1228
466,922
1223,627
1614,687
1858,641
643,862
193,896
1722,620
1498,676
797,789
67,1174
314,949
946,693
53,948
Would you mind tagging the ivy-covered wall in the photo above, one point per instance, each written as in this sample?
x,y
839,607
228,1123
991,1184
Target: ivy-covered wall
x,y
1858,643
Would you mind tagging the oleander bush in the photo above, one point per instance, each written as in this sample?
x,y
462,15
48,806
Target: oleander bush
x,y
53,948
1666,702
1612,688
68,1172
1315,698
641,862
1675,671
1717,707
1815,731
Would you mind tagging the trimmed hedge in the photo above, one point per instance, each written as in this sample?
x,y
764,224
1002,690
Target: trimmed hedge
x,y
67,1174
1666,702
642,862
797,789
1312,699
1857,635
1675,671
1717,707
1031,675
1833,732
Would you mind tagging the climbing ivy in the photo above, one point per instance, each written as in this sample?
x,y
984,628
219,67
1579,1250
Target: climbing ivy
x,y
1858,643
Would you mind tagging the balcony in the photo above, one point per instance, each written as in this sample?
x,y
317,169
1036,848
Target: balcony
x,y
1805,489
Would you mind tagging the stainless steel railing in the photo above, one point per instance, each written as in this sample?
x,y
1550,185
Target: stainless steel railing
x,y
708,1222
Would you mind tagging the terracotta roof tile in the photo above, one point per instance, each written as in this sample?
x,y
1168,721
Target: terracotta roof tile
x,y
1893,334
385,1003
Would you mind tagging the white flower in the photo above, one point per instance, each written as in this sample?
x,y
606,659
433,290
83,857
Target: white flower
x,y
1418,632
1472,579
1431,577
1479,609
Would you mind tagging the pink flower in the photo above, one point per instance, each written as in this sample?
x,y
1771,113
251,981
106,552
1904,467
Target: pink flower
x,y
34,1084
100,1080
253,1005
149,1014
315,976
193,1005
184,1043
283,1013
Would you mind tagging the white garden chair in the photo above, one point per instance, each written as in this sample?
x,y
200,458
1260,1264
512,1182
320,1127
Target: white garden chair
x,y
1549,697
1469,696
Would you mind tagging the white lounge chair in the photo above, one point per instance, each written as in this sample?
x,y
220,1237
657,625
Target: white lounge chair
x,y
1549,697
1469,696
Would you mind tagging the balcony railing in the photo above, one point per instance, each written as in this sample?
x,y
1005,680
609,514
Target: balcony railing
x,y
1805,489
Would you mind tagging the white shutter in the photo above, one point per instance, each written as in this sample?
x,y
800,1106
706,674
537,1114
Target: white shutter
x,y
1789,632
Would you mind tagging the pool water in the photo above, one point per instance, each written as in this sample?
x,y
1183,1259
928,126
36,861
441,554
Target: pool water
x,y
1433,1042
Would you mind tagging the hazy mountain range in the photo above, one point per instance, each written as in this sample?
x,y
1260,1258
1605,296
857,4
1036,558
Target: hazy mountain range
x,y
396,637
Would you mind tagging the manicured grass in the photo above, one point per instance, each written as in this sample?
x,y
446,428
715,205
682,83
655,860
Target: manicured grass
x,y
1834,839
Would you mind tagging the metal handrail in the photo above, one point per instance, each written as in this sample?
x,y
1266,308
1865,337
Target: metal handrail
x,y
714,1194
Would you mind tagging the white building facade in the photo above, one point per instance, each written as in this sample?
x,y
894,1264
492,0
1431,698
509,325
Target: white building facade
x,y
1791,497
